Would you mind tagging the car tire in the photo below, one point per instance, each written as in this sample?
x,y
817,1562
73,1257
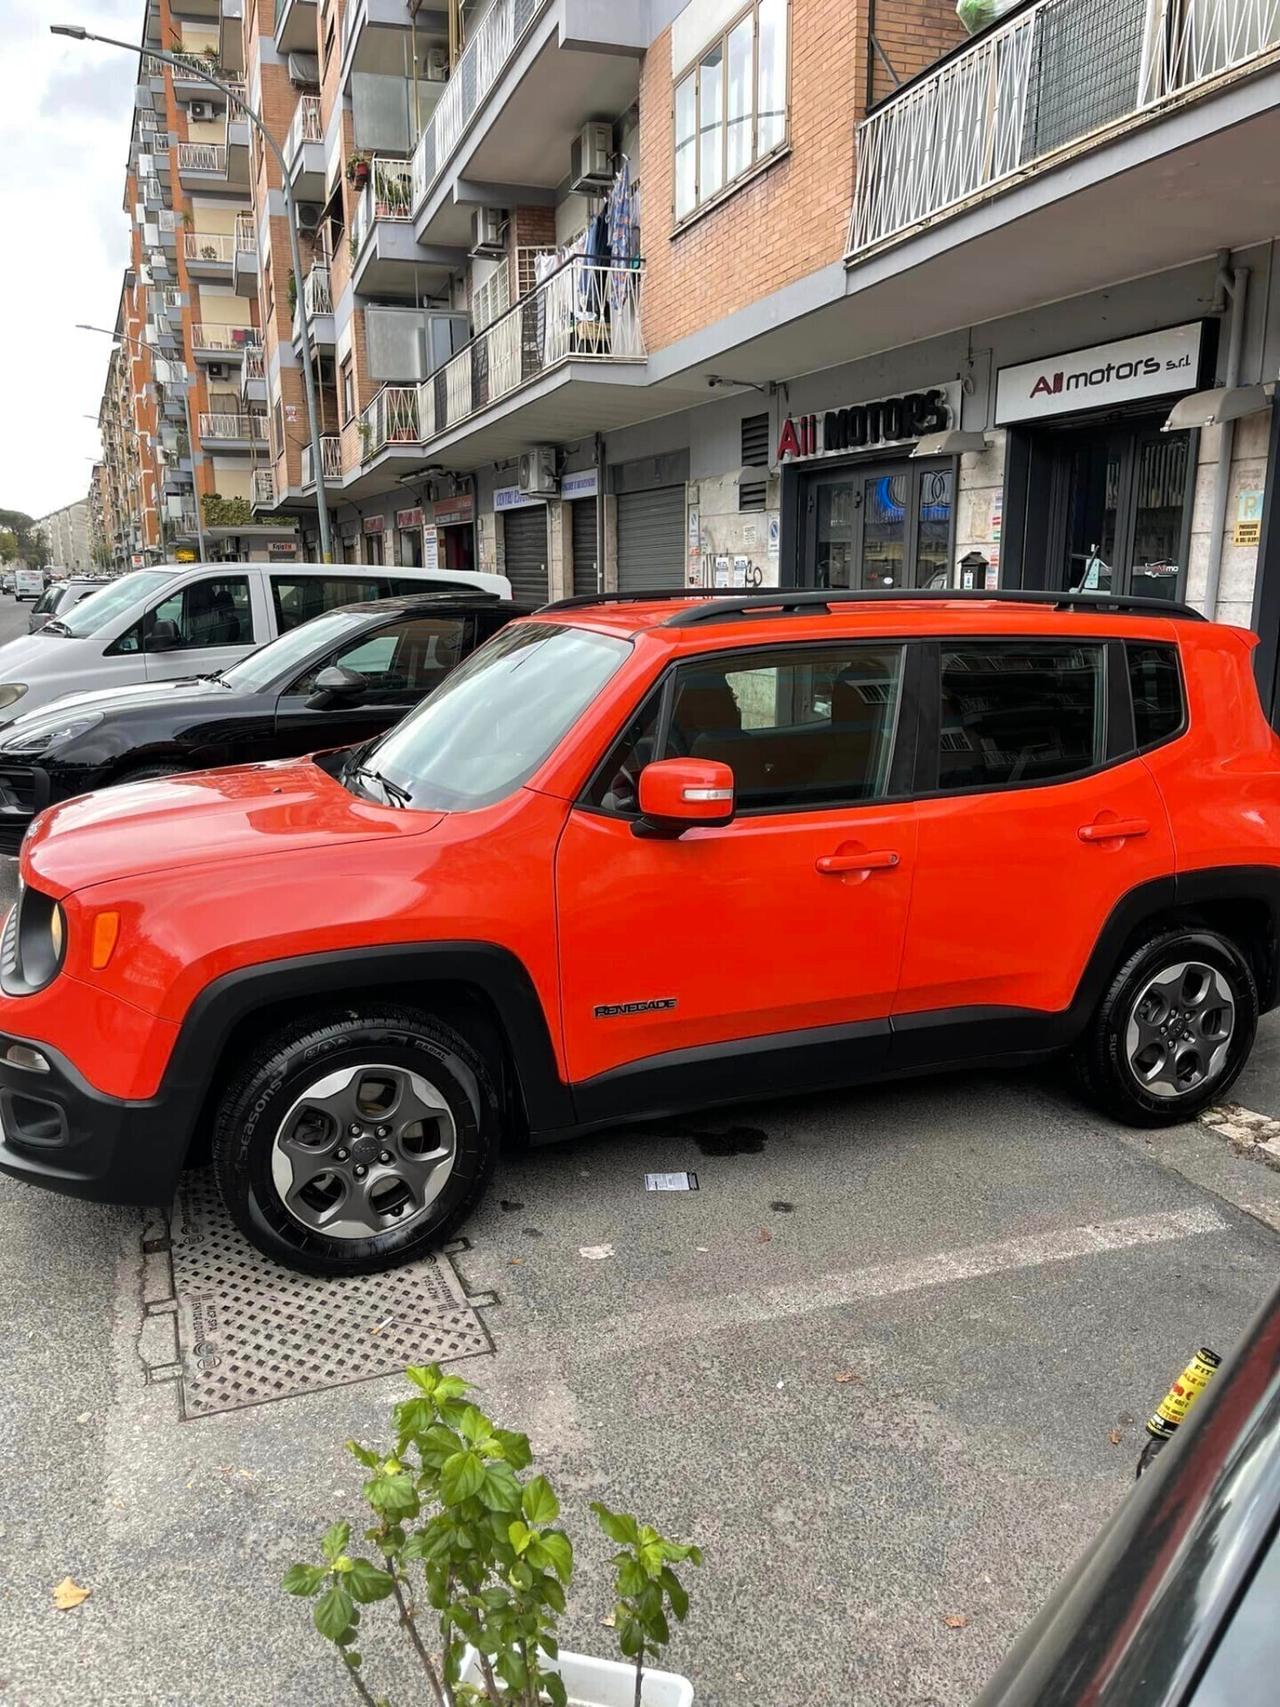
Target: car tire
x,y
329,1095
1173,1029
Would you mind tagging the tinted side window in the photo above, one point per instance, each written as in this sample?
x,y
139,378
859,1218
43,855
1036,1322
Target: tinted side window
x,y
300,597
401,663
1015,713
1156,685
212,612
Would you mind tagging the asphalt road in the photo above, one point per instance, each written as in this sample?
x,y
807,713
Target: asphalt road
x,y
888,1365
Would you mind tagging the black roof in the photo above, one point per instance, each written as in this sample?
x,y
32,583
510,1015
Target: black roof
x,y
452,598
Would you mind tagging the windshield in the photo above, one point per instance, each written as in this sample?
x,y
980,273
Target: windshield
x,y
261,668
47,600
495,719
98,609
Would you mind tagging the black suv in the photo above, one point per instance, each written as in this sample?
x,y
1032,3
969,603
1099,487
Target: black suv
x,y
341,678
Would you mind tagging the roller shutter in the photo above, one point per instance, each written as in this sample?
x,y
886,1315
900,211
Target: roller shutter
x,y
651,539
524,534
584,545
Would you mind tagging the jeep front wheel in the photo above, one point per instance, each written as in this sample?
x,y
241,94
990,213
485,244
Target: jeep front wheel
x,y
1173,1030
350,1144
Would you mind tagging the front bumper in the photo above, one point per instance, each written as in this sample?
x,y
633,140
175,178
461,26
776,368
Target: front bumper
x,y
25,790
57,1131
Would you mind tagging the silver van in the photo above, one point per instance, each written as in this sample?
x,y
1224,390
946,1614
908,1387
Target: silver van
x,y
192,619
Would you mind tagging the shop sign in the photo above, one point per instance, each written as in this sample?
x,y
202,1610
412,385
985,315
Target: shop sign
x,y
512,498
430,549
186,555
282,548
375,524
585,484
1248,522
454,512
409,518
136,560
882,422
1150,365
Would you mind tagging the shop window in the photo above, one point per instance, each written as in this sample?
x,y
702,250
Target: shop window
x,y
1156,685
1019,713
755,454
731,106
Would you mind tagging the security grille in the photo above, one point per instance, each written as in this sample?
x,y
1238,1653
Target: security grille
x,y
651,544
524,538
585,575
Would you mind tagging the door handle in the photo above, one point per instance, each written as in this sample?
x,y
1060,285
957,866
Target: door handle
x,y
833,865
1118,830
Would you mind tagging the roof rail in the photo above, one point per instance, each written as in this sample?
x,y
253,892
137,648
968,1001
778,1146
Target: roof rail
x,y
576,601
799,601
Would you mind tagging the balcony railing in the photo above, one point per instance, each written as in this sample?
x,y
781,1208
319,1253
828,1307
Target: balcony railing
x,y
246,234
316,292
305,126
478,69
207,336
202,157
206,63
211,246
263,490
387,195
390,419
582,312
255,366
228,426
331,456
1055,74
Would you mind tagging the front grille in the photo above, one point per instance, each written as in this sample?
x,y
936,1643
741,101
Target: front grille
x,y
19,790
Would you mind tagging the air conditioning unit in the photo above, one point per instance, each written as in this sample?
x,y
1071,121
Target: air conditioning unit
x,y
591,158
488,232
218,370
437,68
201,112
310,215
538,472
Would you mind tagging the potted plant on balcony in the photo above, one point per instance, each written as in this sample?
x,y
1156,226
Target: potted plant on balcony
x,y
457,1531
293,293
359,167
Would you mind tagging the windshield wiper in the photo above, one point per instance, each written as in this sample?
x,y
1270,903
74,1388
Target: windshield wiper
x,y
396,795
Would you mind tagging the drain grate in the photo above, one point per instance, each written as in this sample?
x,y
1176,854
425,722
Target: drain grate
x,y
249,1331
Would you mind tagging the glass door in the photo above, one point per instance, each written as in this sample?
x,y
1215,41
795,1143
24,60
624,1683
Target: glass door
x,y
1120,509
880,527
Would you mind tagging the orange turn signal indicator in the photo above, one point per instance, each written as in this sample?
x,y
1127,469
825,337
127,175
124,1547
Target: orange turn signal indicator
x,y
106,928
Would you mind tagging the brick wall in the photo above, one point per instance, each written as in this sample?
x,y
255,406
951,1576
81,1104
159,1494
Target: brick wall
x,y
911,34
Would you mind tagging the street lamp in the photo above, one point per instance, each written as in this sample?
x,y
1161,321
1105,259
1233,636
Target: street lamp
x,y
139,344
77,32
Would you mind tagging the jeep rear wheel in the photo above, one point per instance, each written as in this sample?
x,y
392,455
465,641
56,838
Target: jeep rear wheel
x,y
1173,1030
350,1144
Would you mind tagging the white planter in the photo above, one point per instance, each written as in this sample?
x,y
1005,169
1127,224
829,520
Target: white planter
x,y
603,1683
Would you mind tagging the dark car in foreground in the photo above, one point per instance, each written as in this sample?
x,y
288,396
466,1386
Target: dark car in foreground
x,y
1175,1604
341,678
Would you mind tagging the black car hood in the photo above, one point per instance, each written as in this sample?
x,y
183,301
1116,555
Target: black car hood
x,y
142,696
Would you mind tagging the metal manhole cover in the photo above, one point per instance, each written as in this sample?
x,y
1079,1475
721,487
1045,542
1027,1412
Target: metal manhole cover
x,y
249,1331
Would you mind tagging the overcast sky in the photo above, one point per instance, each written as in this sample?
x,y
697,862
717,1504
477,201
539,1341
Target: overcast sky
x,y
64,129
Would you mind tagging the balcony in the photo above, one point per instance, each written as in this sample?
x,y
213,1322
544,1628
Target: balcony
x,y
225,431
304,150
373,37
262,493
1056,79
217,342
532,74
390,419
231,35
331,455
295,26
201,164
389,260
317,297
209,254
244,264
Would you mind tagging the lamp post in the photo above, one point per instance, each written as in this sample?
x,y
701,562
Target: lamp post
x,y
77,32
139,344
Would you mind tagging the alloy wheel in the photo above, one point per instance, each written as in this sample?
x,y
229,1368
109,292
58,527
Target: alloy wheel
x,y
1180,1029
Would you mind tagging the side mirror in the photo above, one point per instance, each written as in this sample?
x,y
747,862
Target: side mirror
x,y
679,794
163,636
336,685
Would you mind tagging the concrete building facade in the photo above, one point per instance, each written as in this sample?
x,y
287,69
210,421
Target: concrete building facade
x,y
69,535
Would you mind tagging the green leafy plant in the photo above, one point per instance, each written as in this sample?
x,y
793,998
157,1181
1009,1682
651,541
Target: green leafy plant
x,y
358,164
469,1551
645,1585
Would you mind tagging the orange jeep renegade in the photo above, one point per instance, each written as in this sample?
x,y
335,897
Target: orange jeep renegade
x,y
639,855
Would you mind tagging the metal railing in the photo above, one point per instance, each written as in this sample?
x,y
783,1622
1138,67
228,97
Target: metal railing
x,y
390,419
170,219
263,490
316,291
223,425
211,246
583,312
387,195
207,336
255,365
206,63
1055,74
331,455
246,234
305,126
202,157
478,69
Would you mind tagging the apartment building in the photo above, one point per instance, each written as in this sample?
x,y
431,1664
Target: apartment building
x,y
184,417
67,534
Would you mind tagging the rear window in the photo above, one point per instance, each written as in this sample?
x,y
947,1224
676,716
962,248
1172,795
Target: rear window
x,y
1016,712
1155,682
299,598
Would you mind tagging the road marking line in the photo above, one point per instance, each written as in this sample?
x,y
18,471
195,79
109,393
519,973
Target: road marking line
x,y
1251,1134
913,1274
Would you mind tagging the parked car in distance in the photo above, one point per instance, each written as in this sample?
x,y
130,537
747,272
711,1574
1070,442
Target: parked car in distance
x,y
644,854
341,678
6,581
1174,1604
61,596
192,619
28,584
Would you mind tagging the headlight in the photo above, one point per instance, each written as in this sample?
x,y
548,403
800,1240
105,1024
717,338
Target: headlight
x,y
33,943
45,736
10,691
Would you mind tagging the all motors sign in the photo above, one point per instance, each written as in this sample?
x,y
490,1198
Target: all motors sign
x,y
879,424
1153,364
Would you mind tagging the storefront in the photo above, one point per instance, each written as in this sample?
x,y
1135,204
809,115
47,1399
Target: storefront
x,y
374,529
409,524
1100,496
859,510
451,539
525,554
581,492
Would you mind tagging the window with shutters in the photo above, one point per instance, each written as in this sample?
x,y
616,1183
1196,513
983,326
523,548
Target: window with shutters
x,y
731,106
755,454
